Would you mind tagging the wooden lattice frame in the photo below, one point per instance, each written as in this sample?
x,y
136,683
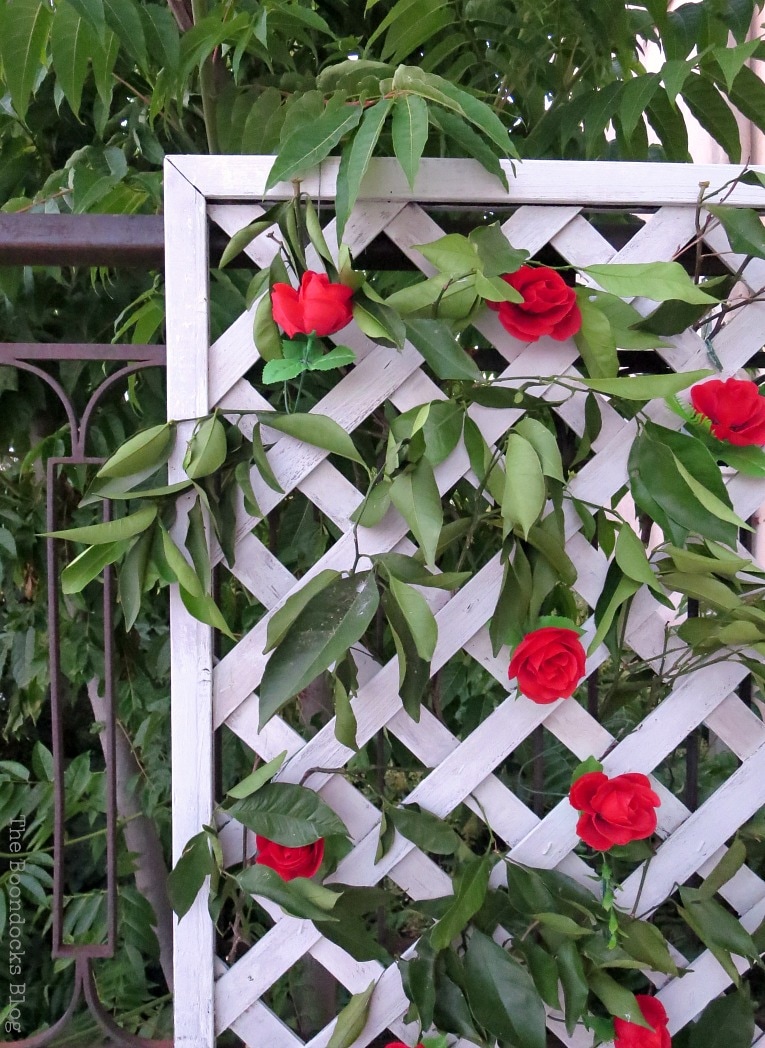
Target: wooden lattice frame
x,y
549,197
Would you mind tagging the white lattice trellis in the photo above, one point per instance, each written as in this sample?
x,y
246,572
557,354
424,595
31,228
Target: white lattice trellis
x,y
549,198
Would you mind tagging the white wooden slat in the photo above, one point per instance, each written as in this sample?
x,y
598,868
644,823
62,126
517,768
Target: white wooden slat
x,y
186,274
465,181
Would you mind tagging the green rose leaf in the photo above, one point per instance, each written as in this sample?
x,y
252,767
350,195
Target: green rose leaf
x,y
287,814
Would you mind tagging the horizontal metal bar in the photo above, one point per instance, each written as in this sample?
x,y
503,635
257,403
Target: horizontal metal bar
x,y
82,240
10,351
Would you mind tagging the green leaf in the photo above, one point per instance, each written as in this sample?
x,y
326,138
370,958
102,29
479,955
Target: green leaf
x,y
469,142
180,567
545,443
385,838
287,814
355,160
610,601
744,227
618,999
187,877
645,387
470,887
374,507
727,1022
419,979
257,779
413,670
110,531
495,254
443,354
90,563
319,430
282,619
502,995
322,633
338,357
265,333
638,92
345,719
148,450
631,557
453,254
196,544
720,508
481,115
132,576
419,617
283,370
124,18
352,1019
207,449
728,866
416,80
427,831
525,491
310,143
407,569
245,236
659,281
242,478
260,461
595,339
415,495
299,896
716,926
410,133
714,114
24,29
645,943
669,126
574,983
543,970
378,321
72,41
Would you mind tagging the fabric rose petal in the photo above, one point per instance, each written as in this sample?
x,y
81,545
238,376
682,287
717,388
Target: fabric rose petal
x,y
318,306
549,663
614,811
631,1035
290,862
548,308
735,409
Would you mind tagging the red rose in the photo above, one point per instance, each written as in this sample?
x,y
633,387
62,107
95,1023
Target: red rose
x,y
317,307
613,811
735,409
630,1035
290,862
548,308
549,663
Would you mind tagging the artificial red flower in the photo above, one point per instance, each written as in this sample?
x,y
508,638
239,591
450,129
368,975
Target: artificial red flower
x,y
735,409
631,1035
548,308
318,307
549,663
614,811
290,862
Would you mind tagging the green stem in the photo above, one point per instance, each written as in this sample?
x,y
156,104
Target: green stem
x,y
207,85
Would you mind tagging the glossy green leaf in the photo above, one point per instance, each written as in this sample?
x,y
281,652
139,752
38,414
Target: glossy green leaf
x,y
415,495
258,778
355,159
543,970
419,617
496,255
345,719
378,321
728,866
646,387
468,141
110,531
180,567
453,254
727,1022
310,143
319,430
352,1019
132,576
407,569
72,40
207,450
443,354
545,443
410,133
124,19
659,281
631,557
470,887
299,896
187,877
525,491
322,633
24,29
617,999
638,92
595,339
265,333
374,507
715,925
502,995
287,814
424,829
283,617
89,564
573,982
418,976
260,461
712,111
744,227
645,943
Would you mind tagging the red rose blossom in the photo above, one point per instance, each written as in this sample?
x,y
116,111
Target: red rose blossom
x,y
613,811
735,409
549,663
317,307
290,862
548,308
631,1035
